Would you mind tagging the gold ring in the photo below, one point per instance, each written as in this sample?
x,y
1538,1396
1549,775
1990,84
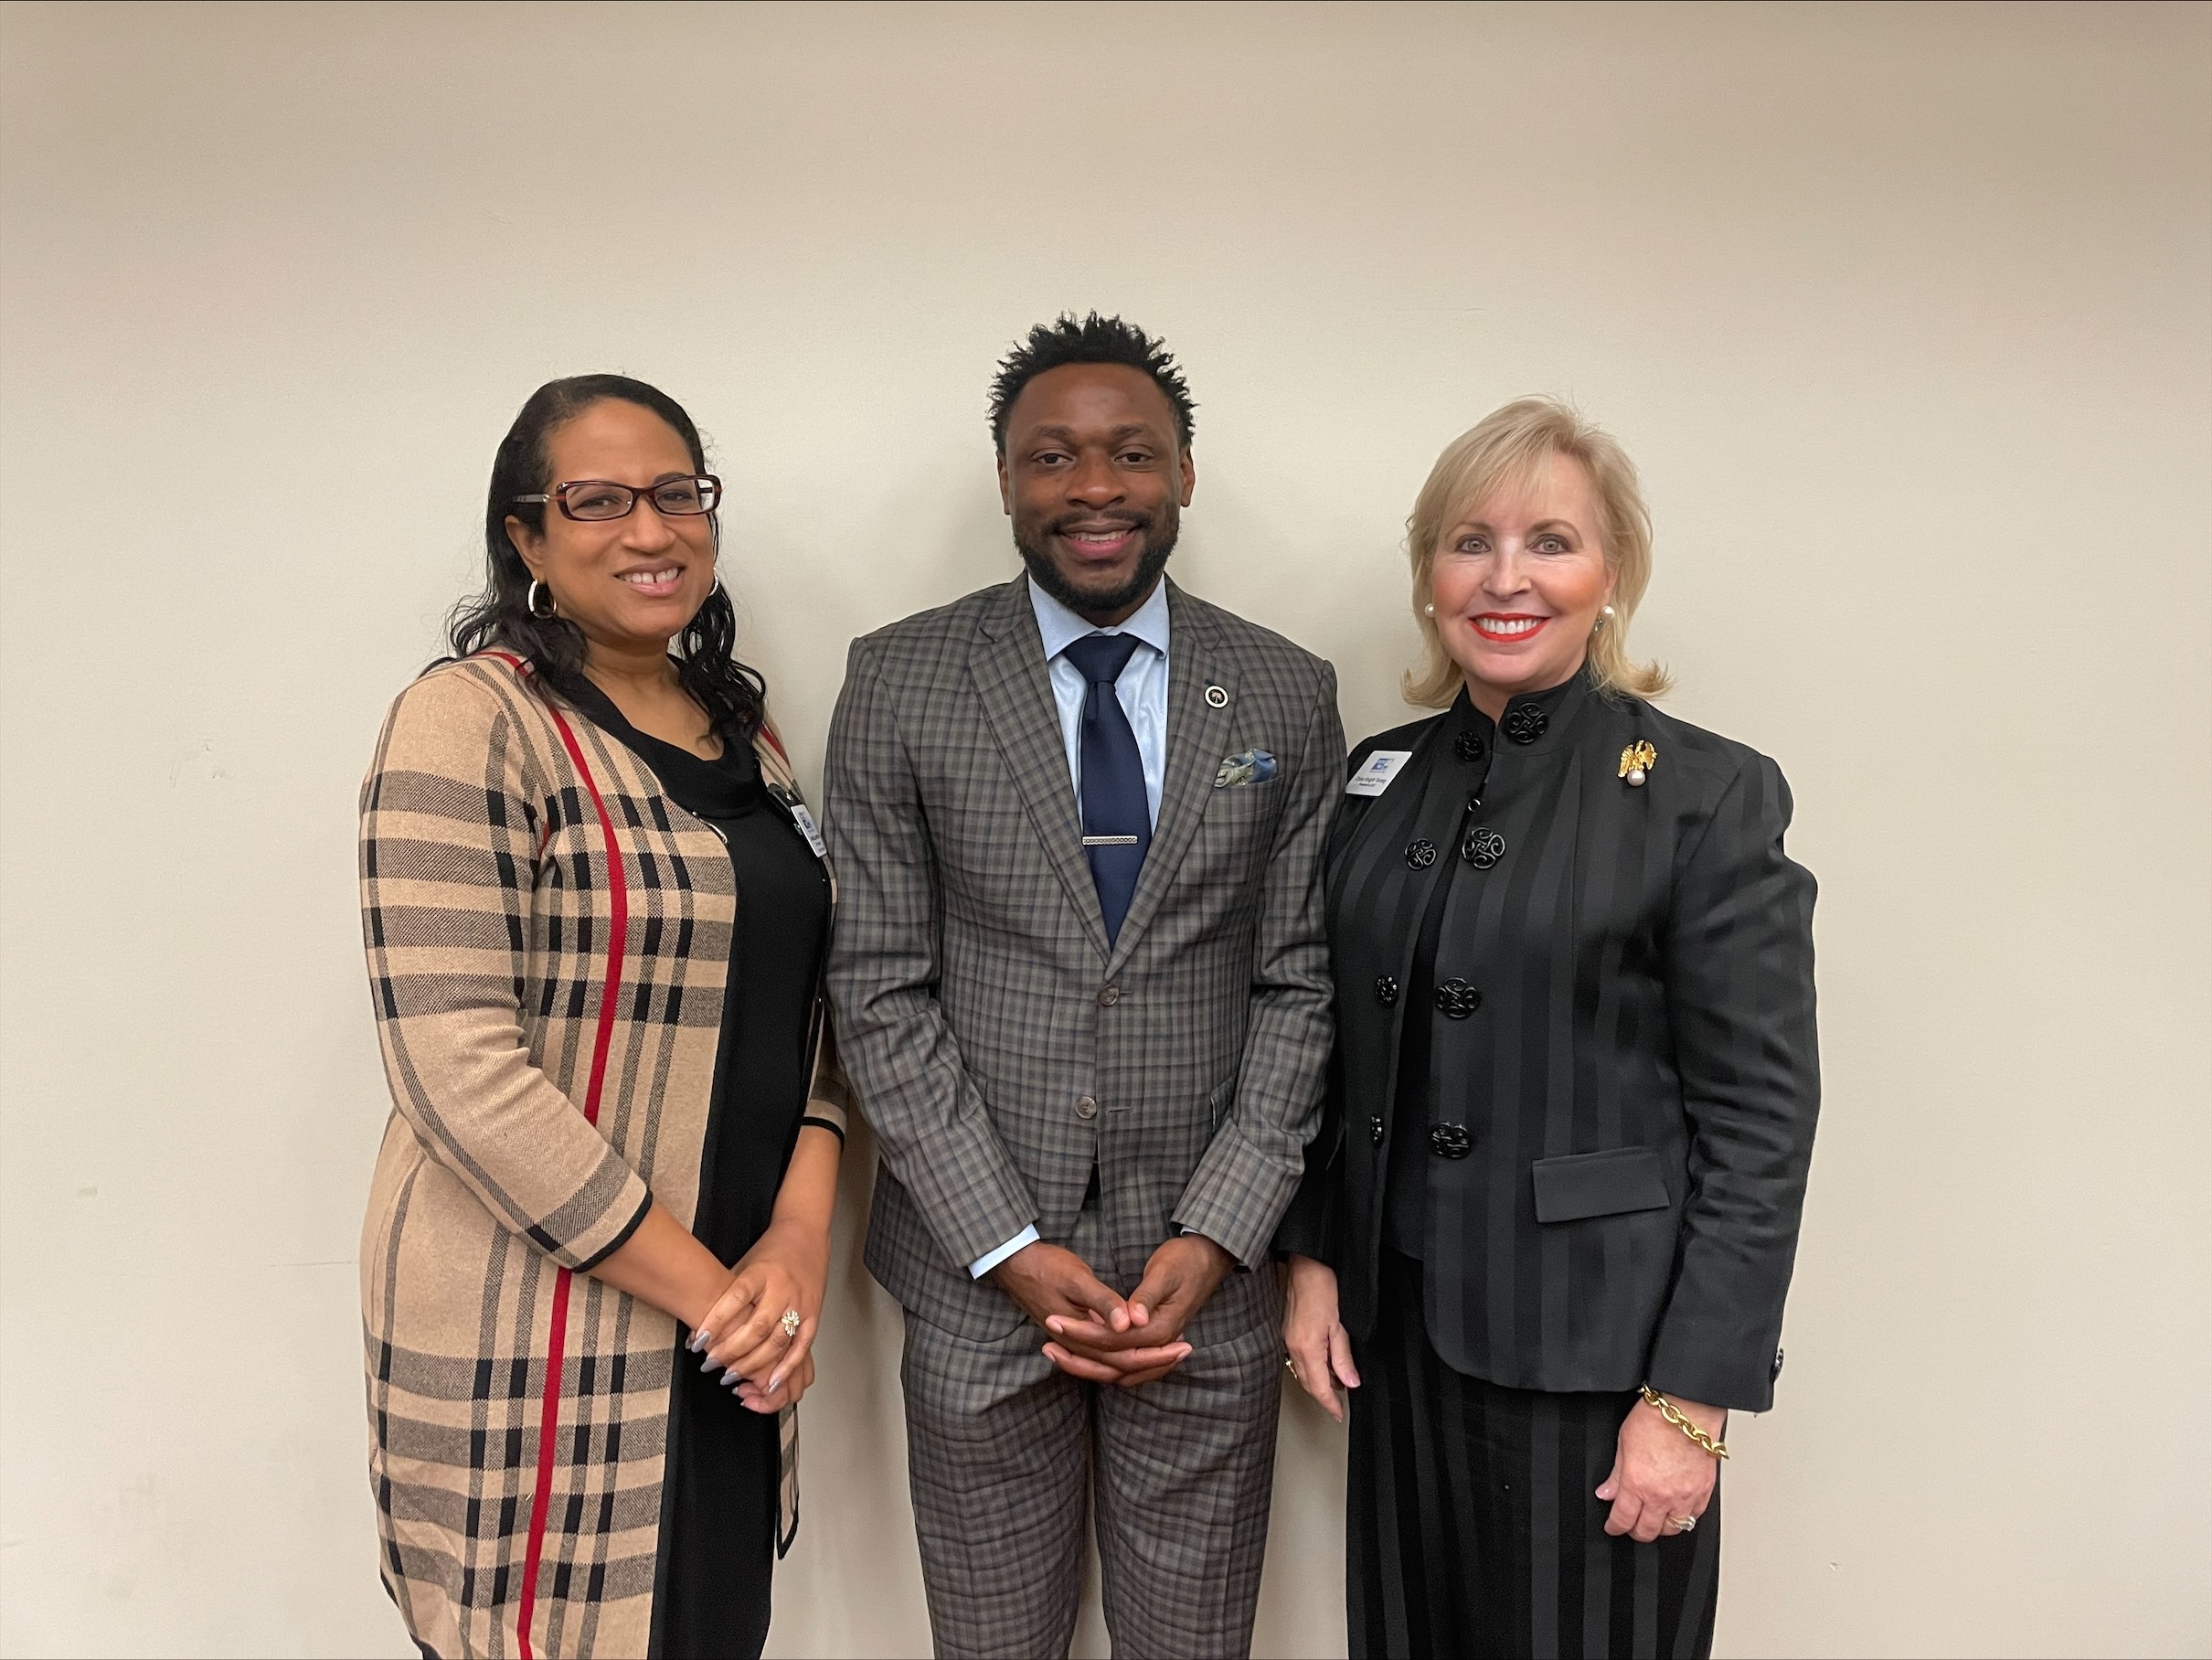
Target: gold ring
x,y
1683,1523
790,1322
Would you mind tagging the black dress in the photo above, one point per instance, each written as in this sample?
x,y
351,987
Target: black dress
x,y
720,1489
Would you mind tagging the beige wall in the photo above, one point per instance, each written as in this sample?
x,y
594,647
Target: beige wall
x,y
1903,311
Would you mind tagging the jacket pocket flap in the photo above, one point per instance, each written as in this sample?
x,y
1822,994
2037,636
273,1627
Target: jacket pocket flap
x,y
1598,1184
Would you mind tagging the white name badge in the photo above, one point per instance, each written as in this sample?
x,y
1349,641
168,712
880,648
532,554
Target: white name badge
x,y
1376,772
806,822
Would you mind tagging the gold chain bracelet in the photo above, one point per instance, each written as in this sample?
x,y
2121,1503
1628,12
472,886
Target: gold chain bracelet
x,y
1674,1415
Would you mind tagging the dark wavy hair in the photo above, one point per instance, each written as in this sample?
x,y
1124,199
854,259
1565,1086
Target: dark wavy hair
x,y
734,696
1093,340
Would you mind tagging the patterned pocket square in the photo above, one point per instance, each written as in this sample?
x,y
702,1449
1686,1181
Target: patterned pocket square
x,y
1252,767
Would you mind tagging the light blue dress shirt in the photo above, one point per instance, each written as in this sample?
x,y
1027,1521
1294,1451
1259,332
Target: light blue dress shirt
x,y
1141,689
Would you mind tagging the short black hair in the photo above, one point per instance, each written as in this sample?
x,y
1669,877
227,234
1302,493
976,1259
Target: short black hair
x,y
1094,339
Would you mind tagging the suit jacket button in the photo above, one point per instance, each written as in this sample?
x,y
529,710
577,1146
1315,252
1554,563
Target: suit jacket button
x,y
1386,990
1375,1130
1469,747
1451,1141
1108,996
1420,854
1524,723
1777,1371
1455,1000
1482,847
1085,1107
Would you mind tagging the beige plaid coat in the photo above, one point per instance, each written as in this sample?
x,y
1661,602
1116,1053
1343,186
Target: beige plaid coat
x,y
547,937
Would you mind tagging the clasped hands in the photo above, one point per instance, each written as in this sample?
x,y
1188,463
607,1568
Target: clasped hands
x,y
1100,1337
743,1334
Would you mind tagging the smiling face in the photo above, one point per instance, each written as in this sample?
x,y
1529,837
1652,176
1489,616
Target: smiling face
x,y
630,584
1518,581
1095,482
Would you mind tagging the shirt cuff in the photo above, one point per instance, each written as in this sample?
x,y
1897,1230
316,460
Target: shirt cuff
x,y
984,1264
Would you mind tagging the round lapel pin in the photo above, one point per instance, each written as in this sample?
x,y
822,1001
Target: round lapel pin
x,y
1216,697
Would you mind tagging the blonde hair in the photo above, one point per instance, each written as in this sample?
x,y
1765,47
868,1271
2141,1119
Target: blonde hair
x,y
1505,449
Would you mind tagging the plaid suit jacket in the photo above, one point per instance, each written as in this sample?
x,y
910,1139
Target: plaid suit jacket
x,y
1003,1048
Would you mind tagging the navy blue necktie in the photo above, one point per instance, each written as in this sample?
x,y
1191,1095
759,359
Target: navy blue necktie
x,y
1117,813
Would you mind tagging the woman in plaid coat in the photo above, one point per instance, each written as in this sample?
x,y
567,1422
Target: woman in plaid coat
x,y
598,1238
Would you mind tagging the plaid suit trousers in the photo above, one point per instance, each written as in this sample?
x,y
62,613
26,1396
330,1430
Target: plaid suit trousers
x,y
1004,1448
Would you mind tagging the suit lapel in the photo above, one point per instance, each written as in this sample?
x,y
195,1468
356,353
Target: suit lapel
x,y
1197,734
1012,684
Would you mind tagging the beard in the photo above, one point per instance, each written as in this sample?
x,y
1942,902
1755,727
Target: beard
x,y
1160,535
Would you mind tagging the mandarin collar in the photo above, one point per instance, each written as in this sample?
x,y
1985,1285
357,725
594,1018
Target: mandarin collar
x,y
1533,722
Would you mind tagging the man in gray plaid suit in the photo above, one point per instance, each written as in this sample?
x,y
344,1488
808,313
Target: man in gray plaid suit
x,y
1082,988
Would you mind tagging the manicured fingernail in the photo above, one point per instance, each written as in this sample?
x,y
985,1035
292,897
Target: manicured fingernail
x,y
699,1340
708,1364
731,1379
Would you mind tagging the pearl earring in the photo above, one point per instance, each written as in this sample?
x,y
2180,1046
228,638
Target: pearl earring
x,y
1429,610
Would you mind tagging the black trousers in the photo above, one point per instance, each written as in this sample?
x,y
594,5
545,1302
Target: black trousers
x,y
1472,1529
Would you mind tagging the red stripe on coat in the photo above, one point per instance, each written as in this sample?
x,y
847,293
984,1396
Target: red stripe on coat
x,y
549,1417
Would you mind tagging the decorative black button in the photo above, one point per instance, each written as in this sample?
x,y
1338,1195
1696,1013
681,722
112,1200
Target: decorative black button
x,y
1469,747
1451,1141
1482,847
1457,999
1375,1130
1386,989
1420,854
1523,723
1474,803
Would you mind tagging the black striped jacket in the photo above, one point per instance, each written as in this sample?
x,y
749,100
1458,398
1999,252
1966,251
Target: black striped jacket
x,y
1623,1070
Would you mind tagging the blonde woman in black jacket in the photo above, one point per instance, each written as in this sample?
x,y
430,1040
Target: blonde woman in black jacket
x,y
1547,1228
